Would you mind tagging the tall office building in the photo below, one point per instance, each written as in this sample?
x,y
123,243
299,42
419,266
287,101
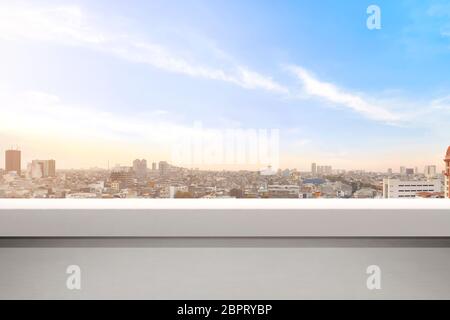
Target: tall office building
x,y
35,169
163,167
12,161
42,169
154,166
50,168
447,174
140,168
314,168
430,171
404,171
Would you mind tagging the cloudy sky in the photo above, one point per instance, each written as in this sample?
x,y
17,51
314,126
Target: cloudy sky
x,y
88,82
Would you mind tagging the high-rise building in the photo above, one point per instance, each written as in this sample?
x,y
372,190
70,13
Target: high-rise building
x,y
163,167
447,174
140,168
35,169
314,168
12,161
430,171
50,168
404,171
389,171
42,169
154,166
324,169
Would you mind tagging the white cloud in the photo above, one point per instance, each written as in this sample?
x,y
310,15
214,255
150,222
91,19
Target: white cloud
x,y
45,125
442,103
70,25
67,24
47,116
252,80
160,112
333,94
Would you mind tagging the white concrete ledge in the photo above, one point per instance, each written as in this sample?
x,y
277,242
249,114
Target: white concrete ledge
x,y
209,204
225,218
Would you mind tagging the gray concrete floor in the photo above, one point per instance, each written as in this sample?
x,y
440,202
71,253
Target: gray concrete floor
x,y
202,268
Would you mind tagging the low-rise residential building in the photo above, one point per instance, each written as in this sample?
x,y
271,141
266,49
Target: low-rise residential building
x,y
283,191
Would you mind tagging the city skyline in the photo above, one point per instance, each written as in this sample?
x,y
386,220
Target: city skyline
x,y
140,165
41,179
89,83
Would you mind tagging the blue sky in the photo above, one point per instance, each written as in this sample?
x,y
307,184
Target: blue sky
x,y
87,82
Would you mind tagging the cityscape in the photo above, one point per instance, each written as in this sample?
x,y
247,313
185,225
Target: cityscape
x,y
215,107
42,179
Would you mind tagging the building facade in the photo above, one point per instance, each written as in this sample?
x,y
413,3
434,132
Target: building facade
x,y
140,168
13,161
313,169
50,168
283,191
42,169
447,174
124,176
324,170
164,168
430,171
397,188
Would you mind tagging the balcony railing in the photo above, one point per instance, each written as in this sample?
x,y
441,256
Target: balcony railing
x,y
225,249
225,218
